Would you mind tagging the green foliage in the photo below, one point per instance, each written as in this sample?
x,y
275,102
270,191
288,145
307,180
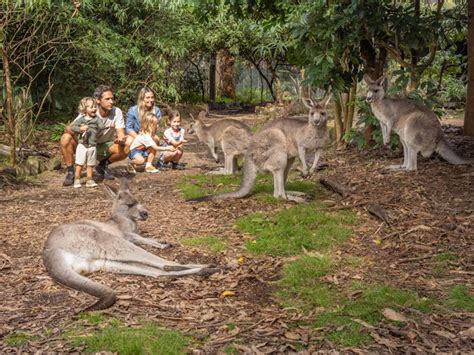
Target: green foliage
x,y
290,231
214,244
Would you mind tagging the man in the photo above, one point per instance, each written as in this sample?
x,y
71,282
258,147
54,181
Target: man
x,y
110,141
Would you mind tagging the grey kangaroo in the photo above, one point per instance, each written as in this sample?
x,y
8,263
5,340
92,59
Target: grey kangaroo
x,y
416,125
276,146
231,135
74,249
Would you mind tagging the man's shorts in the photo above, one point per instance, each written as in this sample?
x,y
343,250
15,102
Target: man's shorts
x,y
85,155
103,150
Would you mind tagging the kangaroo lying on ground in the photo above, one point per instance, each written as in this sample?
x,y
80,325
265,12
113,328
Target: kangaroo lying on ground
x,y
275,147
231,135
416,125
86,246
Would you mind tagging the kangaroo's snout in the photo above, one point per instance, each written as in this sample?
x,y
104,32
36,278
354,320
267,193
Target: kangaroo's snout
x,y
369,98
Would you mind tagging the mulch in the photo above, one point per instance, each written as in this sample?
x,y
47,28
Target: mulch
x,y
428,212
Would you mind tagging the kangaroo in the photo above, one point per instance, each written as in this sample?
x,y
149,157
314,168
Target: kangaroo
x,y
74,249
416,125
276,146
233,137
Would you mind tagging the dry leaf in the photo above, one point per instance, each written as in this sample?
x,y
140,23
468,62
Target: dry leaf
x,y
227,293
390,314
292,336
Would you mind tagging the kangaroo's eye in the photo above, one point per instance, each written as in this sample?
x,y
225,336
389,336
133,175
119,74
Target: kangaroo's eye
x,y
376,90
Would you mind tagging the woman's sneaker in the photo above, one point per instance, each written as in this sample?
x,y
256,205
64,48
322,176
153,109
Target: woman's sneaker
x,y
91,183
151,169
77,183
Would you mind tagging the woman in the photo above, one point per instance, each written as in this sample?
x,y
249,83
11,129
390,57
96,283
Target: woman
x,y
145,104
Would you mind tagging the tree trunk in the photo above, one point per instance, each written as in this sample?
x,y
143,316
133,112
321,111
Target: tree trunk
x,y
469,114
349,119
226,71
338,119
10,114
212,78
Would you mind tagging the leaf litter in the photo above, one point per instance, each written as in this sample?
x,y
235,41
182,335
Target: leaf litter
x,y
431,211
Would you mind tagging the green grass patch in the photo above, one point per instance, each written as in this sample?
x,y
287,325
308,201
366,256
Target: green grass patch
x,y
194,186
146,339
287,232
16,340
303,288
212,243
442,262
97,332
460,298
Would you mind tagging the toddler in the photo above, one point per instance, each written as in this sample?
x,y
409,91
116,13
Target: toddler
x,y
143,148
86,125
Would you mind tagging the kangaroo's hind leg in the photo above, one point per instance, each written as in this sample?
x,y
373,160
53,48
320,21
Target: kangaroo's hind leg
x,y
412,158
130,253
397,167
145,270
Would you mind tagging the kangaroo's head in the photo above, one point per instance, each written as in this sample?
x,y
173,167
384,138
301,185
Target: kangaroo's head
x,y
197,123
125,204
375,89
318,115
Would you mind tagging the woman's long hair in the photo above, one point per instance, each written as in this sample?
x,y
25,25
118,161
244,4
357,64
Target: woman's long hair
x,y
141,101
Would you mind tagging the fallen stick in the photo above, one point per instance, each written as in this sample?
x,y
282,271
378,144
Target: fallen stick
x,y
334,186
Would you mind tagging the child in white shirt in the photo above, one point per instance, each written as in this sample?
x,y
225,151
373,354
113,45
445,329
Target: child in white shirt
x,y
174,137
144,148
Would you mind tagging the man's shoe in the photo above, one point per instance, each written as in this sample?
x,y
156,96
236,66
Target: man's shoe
x,y
104,173
177,166
68,180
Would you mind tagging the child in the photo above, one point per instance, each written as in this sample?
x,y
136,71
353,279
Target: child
x,y
174,137
87,125
143,148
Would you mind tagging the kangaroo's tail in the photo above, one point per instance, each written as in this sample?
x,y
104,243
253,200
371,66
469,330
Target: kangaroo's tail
x,y
449,155
248,181
61,272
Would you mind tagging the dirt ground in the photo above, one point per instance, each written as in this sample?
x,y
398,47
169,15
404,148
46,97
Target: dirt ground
x,y
430,211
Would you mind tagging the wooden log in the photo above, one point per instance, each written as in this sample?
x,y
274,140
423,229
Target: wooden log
x,y
334,186
23,152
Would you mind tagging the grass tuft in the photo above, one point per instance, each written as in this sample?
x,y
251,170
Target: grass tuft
x,y
214,244
16,340
292,230
460,298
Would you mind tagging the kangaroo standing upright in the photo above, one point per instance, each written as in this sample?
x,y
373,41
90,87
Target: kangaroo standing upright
x,y
416,125
276,146
231,135
86,246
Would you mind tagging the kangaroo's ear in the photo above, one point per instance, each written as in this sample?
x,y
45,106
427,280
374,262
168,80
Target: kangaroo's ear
x,y
367,79
326,100
307,102
384,83
112,191
380,80
202,114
